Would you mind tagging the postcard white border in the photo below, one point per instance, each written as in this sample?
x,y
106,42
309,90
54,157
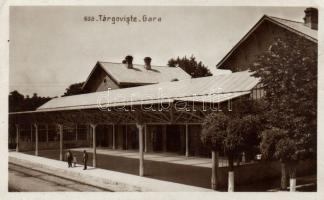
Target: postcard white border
x,y
4,90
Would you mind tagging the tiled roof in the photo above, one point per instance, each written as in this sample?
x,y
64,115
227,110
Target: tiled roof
x,y
139,75
211,89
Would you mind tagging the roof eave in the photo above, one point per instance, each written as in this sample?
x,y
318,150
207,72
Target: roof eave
x,y
239,42
92,71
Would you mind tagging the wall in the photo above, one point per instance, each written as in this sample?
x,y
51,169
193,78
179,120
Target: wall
x,y
149,139
105,83
100,81
27,146
119,136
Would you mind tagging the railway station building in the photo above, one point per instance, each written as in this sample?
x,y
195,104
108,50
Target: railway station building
x,y
147,108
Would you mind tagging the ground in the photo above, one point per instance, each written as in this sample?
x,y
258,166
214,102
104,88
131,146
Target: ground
x,y
190,175
23,180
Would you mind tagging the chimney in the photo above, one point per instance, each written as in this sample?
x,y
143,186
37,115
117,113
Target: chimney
x,y
147,61
129,61
311,18
125,63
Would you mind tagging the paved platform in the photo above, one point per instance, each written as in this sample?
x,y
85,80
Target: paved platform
x,y
107,179
159,157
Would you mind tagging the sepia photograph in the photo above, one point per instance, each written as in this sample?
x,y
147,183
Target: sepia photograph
x,y
162,99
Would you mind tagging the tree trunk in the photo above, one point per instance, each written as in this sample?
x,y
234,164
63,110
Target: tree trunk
x,y
283,176
214,170
230,174
292,174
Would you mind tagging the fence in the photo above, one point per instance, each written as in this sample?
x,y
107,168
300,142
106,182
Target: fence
x,y
258,171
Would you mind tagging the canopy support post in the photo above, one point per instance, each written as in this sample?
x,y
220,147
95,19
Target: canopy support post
x,y
187,141
76,132
114,137
60,126
145,139
17,137
140,147
36,139
94,159
164,138
46,133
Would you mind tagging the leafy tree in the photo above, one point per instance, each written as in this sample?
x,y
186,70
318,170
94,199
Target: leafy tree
x,y
288,72
232,133
74,89
191,66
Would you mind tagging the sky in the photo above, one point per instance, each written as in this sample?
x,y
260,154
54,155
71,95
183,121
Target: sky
x,y
53,47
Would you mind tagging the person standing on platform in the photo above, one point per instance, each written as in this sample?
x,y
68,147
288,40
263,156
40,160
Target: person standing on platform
x,y
74,160
69,158
85,159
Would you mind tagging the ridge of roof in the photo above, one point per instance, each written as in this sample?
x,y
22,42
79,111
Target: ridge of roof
x,y
133,64
138,74
116,72
284,19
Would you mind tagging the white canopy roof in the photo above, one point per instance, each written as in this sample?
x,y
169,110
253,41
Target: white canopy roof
x,y
209,89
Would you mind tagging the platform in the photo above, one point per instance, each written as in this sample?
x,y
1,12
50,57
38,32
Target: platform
x,y
107,179
159,157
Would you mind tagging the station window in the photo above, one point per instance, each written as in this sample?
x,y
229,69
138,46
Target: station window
x,y
257,92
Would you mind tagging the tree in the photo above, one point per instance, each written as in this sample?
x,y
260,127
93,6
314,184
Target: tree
x,y
74,89
17,102
191,66
288,72
212,136
231,133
